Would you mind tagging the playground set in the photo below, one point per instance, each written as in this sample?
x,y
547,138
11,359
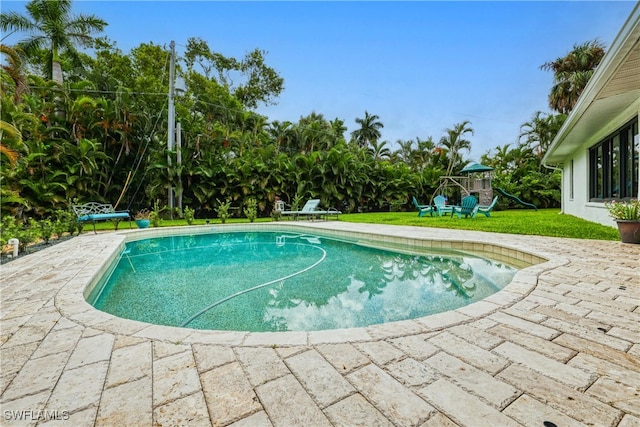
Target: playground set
x,y
475,180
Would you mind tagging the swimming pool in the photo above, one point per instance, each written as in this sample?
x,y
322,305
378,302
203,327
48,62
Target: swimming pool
x,y
286,281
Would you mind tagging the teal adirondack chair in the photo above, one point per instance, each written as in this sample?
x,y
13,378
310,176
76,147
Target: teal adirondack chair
x,y
422,209
441,206
467,209
485,210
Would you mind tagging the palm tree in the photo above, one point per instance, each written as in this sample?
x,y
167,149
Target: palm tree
x,y
51,25
338,128
369,129
279,133
405,151
454,142
423,153
498,161
571,74
379,150
9,132
317,136
15,71
540,131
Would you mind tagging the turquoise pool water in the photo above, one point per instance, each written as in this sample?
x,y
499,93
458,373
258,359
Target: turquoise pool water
x,y
266,281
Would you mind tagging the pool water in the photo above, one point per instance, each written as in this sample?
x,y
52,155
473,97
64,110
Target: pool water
x,y
266,281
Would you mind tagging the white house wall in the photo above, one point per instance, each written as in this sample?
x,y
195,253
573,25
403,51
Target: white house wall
x,y
580,206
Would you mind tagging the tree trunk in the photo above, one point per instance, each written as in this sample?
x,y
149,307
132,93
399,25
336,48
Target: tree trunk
x,y
56,72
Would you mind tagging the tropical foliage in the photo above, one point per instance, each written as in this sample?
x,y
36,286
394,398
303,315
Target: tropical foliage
x,y
53,32
571,74
100,134
519,169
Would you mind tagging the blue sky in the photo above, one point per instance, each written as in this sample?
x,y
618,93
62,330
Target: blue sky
x,y
421,66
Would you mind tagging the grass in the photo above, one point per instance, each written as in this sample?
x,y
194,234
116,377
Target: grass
x,y
543,222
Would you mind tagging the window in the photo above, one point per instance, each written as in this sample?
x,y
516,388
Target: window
x,y
613,165
571,180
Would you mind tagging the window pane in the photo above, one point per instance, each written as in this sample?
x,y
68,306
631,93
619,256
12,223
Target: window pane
x,y
599,177
571,180
592,173
636,158
615,167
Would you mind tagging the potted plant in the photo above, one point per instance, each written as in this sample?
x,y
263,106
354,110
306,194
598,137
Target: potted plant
x,y
142,218
627,216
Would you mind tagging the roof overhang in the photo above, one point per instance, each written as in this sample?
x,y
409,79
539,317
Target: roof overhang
x,y
613,88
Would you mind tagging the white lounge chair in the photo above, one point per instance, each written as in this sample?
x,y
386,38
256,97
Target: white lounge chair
x,y
310,206
310,209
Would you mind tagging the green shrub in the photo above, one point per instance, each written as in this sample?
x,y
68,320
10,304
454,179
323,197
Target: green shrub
x,y
45,229
154,215
64,222
189,215
29,234
14,229
295,204
223,210
396,205
251,209
9,229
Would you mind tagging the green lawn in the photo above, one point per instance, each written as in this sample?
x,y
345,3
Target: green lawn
x,y
544,222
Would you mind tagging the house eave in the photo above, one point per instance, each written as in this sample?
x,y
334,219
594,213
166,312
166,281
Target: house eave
x,y
613,89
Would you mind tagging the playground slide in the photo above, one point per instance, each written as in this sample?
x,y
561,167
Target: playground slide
x,y
515,198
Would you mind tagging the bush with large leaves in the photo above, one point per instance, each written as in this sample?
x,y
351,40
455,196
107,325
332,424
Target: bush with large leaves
x,y
102,136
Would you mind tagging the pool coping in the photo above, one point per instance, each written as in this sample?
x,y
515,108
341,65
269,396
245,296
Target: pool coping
x,y
71,302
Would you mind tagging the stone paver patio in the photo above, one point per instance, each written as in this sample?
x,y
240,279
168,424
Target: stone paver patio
x,y
560,344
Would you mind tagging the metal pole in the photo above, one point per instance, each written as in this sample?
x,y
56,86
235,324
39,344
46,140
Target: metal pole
x,y
179,162
171,117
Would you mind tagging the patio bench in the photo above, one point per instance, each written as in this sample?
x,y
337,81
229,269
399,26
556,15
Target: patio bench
x,y
94,211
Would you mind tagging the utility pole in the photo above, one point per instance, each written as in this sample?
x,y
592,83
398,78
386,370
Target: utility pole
x,y
171,131
179,163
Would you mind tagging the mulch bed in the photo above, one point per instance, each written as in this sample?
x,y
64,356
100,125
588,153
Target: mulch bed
x,y
7,251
